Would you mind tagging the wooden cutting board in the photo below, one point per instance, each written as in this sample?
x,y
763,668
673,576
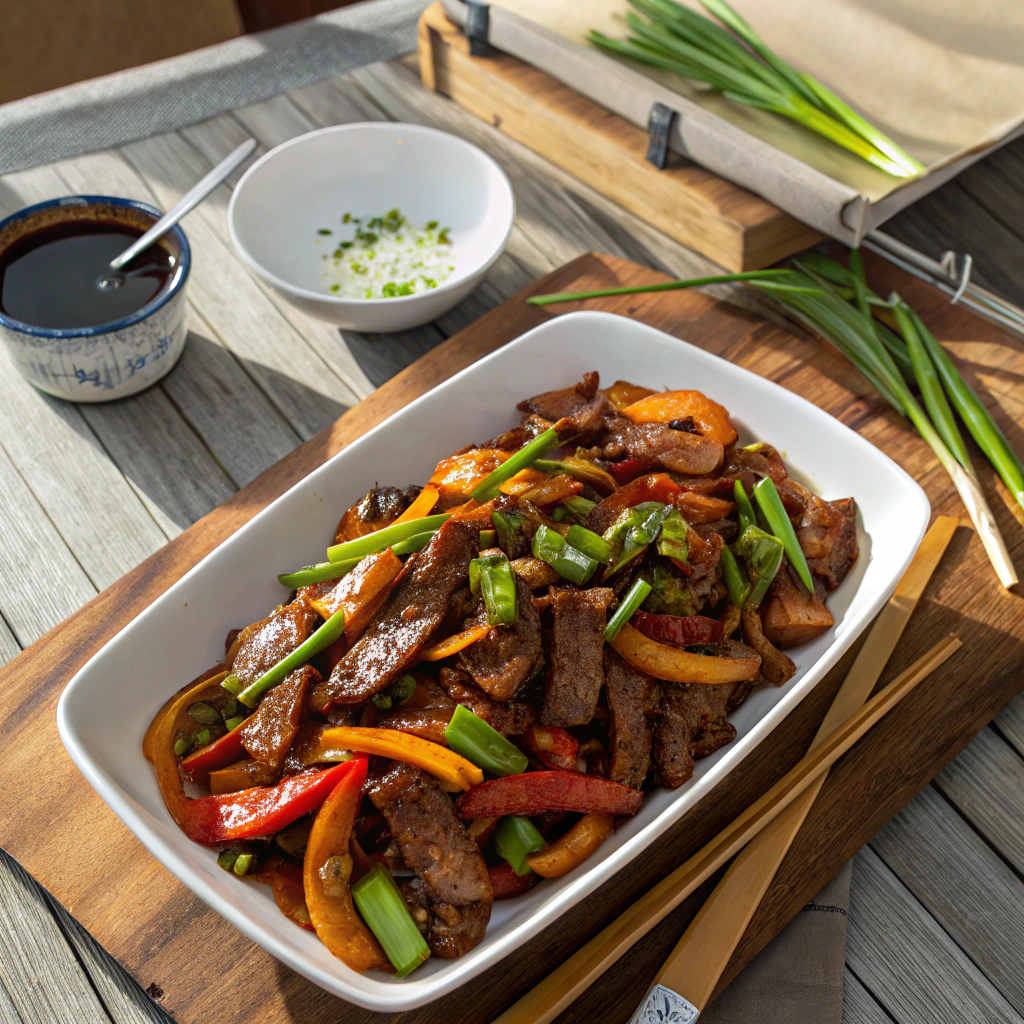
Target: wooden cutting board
x,y
208,973
728,224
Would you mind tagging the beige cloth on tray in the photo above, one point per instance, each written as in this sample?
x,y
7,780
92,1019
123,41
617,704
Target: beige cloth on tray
x,y
798,977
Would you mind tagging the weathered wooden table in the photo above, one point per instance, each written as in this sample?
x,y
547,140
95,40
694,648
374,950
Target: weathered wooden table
x,y
936,929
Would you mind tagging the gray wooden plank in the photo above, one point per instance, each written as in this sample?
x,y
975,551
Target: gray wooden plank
x,y
163,459
8,1011
905,959
966,887
859,1005
986,784
41,583
37,966
1010,723
306,390
122,997
67,469
8,644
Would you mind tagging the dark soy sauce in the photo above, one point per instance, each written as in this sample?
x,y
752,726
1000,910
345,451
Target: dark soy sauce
x,y
50,278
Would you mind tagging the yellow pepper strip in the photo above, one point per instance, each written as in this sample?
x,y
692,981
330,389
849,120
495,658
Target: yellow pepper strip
x,y
441,762
676,666
454,644
573,848
421,506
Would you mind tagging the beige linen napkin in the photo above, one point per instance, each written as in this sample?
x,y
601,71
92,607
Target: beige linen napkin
x,y
798,977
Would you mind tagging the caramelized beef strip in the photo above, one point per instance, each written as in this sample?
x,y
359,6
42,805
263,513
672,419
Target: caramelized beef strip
x,y
776,667
392,642
790,615
554,405
263,644
427,714
380,507
509,655
510,718
691,724
658,444
631,695
535,573
269,733
828,536
434,844
577,642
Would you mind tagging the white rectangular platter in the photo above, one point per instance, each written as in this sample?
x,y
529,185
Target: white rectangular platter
x,y
106,707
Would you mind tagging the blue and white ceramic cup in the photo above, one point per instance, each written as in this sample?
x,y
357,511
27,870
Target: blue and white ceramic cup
x,y
113,360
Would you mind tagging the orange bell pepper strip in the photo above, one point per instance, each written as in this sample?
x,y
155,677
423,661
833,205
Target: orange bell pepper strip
x,y
676,666
573,848
327,871
523,481
710,418
285,881
455,643
459,474
651,487
439,761
622,394
206,686
362,592
421,505
218,754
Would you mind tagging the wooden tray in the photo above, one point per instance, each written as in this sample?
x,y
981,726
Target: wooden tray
x,y
733,227
56,826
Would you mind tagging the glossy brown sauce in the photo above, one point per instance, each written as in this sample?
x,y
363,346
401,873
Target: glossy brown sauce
x,y
49,277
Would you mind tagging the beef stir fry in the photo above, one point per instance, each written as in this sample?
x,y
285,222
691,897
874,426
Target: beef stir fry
x,y
489,671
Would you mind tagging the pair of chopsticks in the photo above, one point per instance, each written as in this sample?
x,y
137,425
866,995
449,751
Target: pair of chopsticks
x,y
696,964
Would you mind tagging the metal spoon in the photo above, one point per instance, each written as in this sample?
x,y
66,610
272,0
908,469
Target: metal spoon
x,y
192,198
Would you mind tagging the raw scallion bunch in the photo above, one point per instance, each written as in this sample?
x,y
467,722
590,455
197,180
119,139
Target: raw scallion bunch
x,y
836,304
674,38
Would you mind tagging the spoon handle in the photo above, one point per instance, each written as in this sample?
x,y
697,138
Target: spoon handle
x,y
192,198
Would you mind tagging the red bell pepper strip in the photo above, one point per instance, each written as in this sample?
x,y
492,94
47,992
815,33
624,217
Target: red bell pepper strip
x,y
507,884
262,810
628,469
536,792
652,487
678,630
554,746
218,754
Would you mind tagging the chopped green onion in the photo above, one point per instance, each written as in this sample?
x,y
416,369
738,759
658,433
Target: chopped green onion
x,y
569,562
635,529
506,526
635,596
487,538
763,554
381,700
469,735
590,543
778,521
233,722
243,863
323,637
673,540
492,577
230,708
755,447
383,909
232,684
736,583
324,571
743,506
203,737
203,713
182,745
579,508
226,859
560,514
515,838
526,456
386,538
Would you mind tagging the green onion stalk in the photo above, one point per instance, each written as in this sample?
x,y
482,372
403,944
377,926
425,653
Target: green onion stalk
x,y
815,300
676,39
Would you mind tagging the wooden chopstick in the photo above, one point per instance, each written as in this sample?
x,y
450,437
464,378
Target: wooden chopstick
x,y
545,1001
696,964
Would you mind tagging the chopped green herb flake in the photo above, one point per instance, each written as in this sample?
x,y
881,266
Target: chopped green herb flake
x,y
325,231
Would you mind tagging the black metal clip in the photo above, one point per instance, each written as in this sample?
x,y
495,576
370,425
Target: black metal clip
x,y
478,22
659,124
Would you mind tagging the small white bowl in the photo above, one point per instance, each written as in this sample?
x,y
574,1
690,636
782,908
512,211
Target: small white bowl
x,y
310,182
